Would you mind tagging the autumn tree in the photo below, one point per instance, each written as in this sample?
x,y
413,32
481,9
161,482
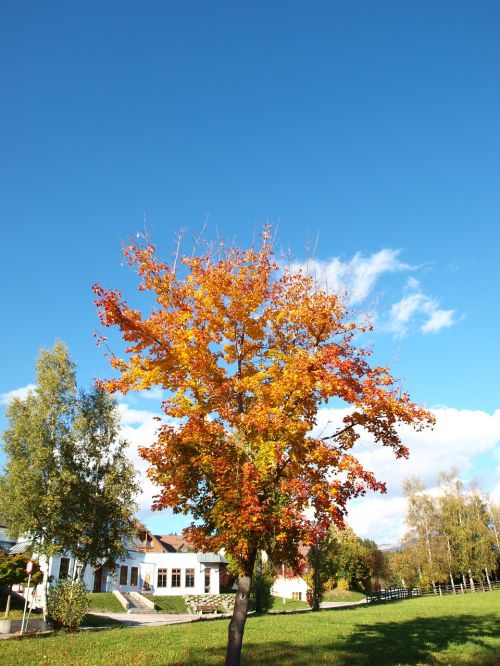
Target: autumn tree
x,y
247,353
68,484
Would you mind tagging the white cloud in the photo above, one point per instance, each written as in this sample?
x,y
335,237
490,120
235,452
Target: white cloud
x,y
439,319
378,518
21,393
463,438
415,305
358,276
139,428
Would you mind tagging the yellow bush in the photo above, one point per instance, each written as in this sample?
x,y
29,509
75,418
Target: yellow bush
x,y
342,584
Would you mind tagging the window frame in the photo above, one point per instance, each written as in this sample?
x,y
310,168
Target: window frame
x,y
123,574
134,576
189,577
175,577
64,576
162,575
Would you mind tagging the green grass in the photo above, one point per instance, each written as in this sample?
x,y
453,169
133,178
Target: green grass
x,y
100,621
343,595
460,630
104,601
175,604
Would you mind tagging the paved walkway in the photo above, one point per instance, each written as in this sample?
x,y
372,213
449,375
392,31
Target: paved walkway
x,y
342,604
161,619
149,619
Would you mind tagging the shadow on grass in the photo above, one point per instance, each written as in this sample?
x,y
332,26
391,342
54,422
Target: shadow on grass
x,y
410,642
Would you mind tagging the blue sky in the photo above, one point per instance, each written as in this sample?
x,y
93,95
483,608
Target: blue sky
x,y
372,126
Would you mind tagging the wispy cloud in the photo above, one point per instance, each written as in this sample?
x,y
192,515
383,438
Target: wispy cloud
x,y
357,276
21,393
416,306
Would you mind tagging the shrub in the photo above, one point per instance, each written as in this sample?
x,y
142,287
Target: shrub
x,y
343,584
261,599
68,604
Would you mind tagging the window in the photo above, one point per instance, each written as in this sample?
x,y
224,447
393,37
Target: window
x,y
296,596
207,581
134,576
176,577
162,578
123,574
189,577
64,568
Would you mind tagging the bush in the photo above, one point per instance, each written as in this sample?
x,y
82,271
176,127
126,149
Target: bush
x,y
261,599
343,584
68,604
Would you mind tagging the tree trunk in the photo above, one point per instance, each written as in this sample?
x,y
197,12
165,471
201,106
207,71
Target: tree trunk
x,y
237,624
452,584
487,578
45,586
7,605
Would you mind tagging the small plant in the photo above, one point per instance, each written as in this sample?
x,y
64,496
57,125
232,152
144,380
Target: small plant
x,y
343,585
68,604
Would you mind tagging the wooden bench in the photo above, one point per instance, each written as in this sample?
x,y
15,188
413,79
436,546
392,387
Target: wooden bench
x,y
207,608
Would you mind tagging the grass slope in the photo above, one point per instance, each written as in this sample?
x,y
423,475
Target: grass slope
x,y
104,601
341,595
172,604
462,629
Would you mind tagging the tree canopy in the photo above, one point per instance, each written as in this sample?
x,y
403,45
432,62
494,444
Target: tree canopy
x,y
247,351
68,484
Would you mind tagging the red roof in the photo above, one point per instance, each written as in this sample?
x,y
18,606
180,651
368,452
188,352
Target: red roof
x,y
175,543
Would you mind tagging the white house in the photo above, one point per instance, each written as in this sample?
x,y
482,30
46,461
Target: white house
x,y
290,587
159,565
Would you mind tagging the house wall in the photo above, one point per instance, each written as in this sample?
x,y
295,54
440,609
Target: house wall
x,y
286,587
148,565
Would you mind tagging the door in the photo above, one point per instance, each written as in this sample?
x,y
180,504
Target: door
x,y
98,580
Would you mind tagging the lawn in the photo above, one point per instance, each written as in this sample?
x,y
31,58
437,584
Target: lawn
x,y
104,601
91,620
462,629
171,604
343,595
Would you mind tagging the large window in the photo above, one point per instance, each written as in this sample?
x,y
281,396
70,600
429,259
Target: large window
x,y
176,577
64,568
134,576
189,577
296,596
123,574
162,578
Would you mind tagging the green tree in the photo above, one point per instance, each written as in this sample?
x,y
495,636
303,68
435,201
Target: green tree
x,y
377,563
320,570
261,599
101,483
349,559
13,570
68,485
